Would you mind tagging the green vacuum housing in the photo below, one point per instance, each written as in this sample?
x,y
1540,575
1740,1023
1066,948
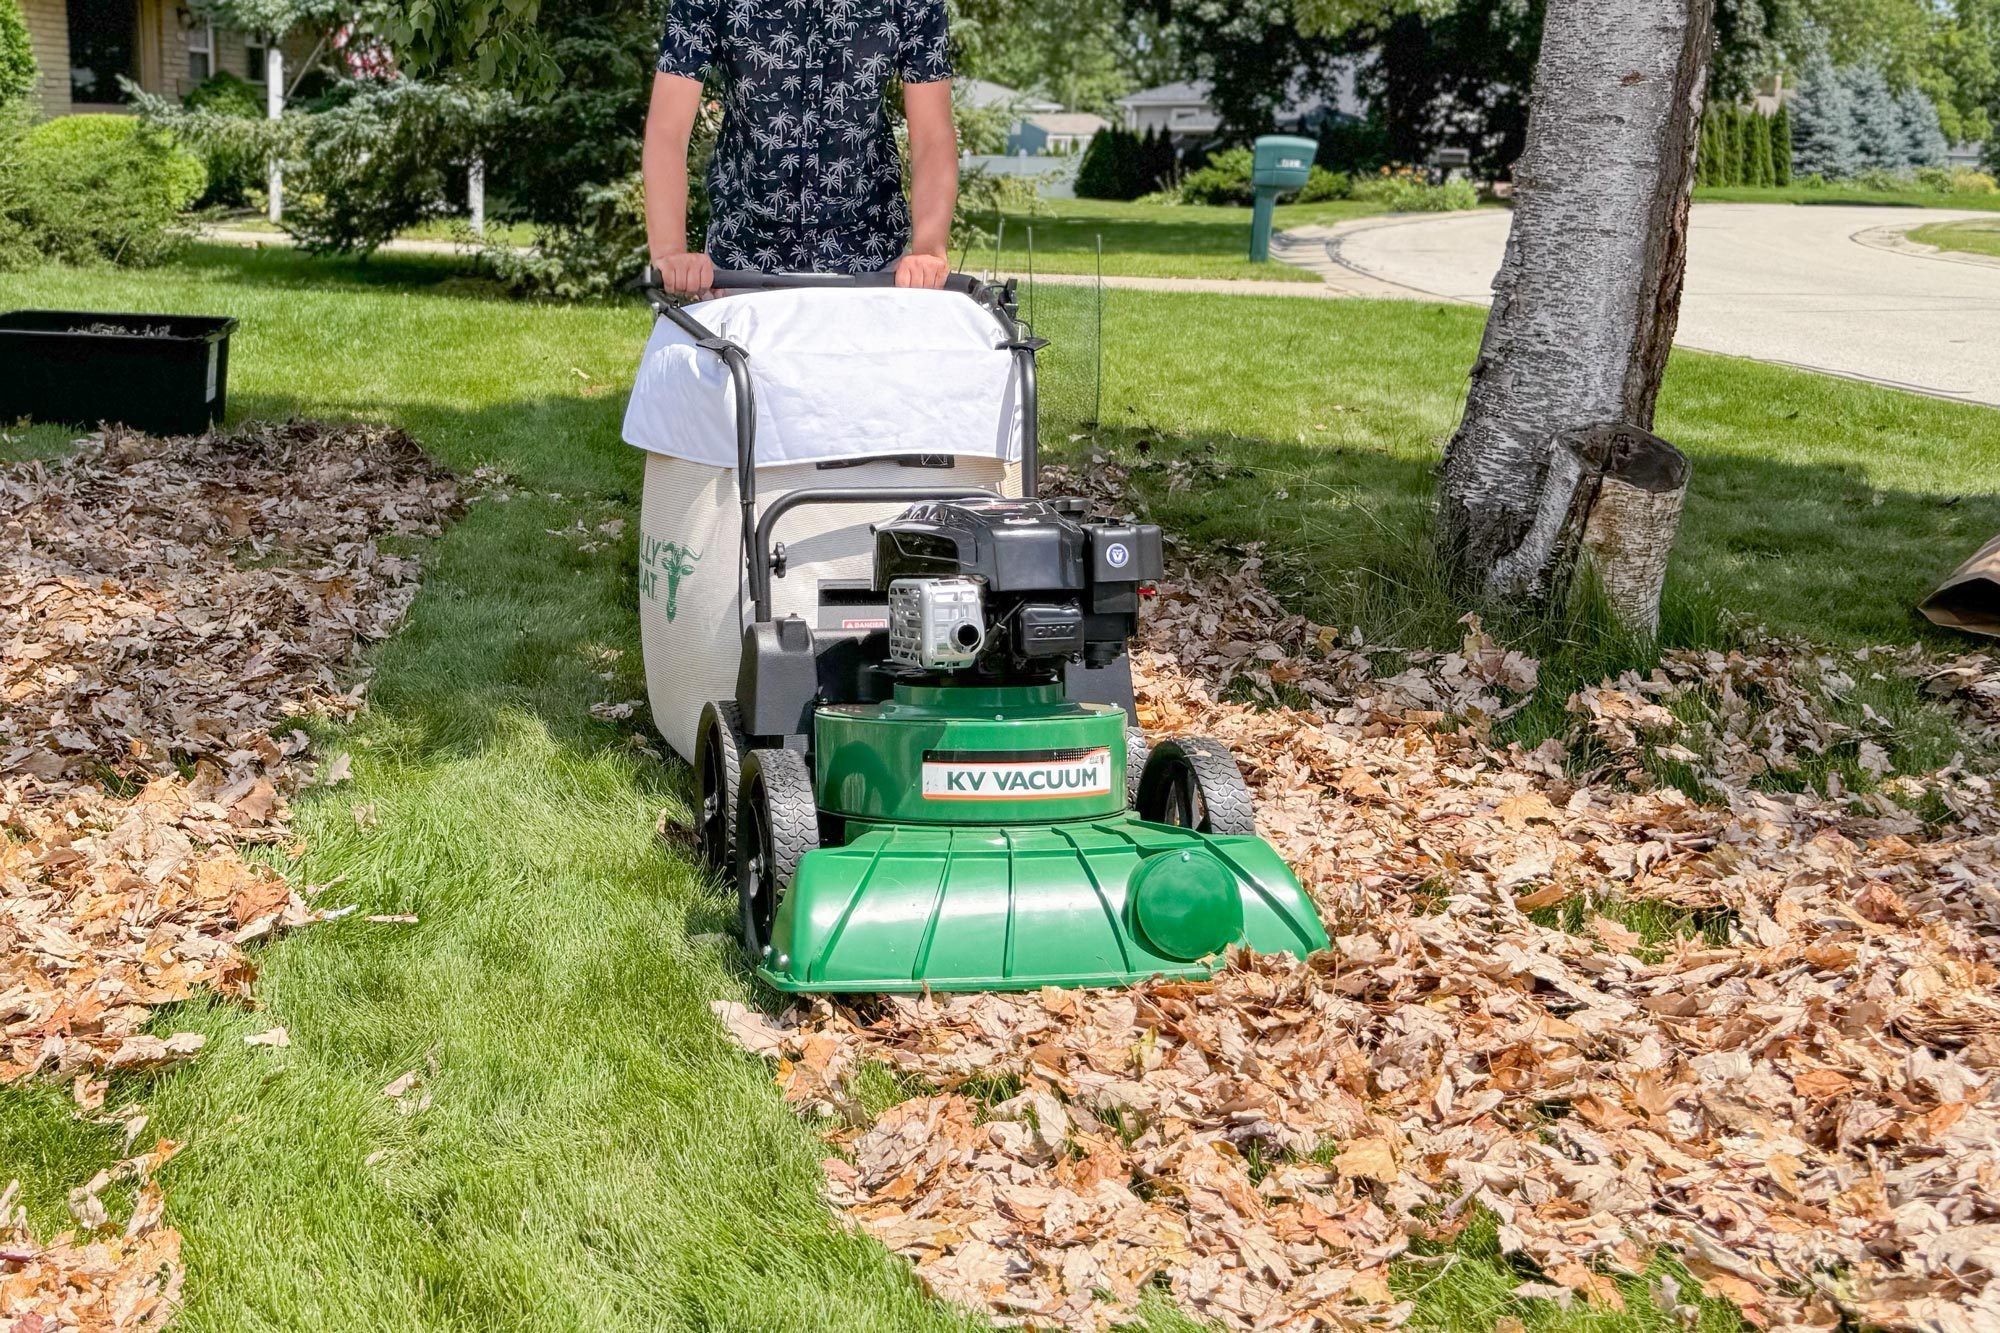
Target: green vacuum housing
x,y
919,779
988,846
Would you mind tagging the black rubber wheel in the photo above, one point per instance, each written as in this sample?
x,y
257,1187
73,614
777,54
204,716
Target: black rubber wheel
x,y
1137,747
1192,782
776,826
718,771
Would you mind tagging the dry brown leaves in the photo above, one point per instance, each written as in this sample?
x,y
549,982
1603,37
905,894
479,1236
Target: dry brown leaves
x,y
1803,1103
166,608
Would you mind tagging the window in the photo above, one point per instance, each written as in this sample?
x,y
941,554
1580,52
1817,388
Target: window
x,y
201,53
253,56
103,44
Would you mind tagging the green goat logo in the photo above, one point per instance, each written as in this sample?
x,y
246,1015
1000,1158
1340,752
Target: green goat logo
x,y
676,562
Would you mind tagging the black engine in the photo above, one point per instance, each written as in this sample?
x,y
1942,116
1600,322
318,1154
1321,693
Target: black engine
x,y
1011,585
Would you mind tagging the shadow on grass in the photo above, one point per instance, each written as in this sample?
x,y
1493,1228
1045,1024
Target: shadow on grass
x,y
1813,550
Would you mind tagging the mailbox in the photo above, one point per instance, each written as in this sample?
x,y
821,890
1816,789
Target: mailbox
x,y
1280,162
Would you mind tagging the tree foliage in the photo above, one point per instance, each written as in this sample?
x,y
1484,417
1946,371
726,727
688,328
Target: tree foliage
x,y
1119,164
1458,80
1823,124
1254,55
272,16
18,70
1085,54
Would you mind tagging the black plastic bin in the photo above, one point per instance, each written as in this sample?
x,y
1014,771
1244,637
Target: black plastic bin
x,y
163,374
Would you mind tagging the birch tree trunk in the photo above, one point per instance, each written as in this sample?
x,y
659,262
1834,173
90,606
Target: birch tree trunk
x,y
1586,298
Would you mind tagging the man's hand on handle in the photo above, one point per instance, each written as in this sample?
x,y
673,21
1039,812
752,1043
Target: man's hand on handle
x,y
918,270
691,275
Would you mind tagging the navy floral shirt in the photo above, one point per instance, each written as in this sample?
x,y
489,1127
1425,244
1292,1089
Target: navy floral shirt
x,y
805,175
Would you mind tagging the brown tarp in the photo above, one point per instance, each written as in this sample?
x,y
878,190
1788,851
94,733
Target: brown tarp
x,y
1970,598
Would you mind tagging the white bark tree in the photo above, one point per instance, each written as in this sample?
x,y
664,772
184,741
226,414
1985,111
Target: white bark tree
x,y
1555,455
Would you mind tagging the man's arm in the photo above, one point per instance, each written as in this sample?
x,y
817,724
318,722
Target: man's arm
x,y
663,163
933,183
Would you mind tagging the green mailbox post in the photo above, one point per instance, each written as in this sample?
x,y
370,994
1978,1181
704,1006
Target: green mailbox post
x,y
1282,162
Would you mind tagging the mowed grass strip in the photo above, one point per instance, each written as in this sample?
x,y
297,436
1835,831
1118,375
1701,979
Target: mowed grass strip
x,y
1143,240
1972,238
593,1153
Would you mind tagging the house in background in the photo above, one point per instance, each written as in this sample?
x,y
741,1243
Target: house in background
x,y
1184,112
83,46
983,93
1053,133
1181,109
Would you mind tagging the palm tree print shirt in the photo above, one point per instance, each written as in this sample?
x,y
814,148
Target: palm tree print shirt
x,y
806,175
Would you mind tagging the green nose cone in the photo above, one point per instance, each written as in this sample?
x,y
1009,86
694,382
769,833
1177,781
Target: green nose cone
x,y
1186,904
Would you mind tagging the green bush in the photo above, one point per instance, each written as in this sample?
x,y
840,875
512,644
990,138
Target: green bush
x,y
381,161
91,188
1224,179
1119,164
226,95
1406,190
1324,186
1954,180
237,164
605,249
18,249
18,71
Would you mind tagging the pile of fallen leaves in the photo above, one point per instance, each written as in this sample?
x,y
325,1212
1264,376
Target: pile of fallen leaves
x,y
167,608
1797,1092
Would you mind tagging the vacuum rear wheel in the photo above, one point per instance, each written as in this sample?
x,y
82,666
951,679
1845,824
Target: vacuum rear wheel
x,y
1192,782
776,825
718,769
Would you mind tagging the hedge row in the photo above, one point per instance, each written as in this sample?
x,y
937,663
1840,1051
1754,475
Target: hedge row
x,y
1119,164
1741,146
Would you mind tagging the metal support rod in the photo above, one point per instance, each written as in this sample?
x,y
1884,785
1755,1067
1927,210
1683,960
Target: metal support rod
x,y
756,533
760,559
1031,425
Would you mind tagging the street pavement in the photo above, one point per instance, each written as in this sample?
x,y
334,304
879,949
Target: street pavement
x,y
1829,288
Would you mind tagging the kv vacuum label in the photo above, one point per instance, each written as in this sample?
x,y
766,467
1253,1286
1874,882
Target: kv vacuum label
x,y
1039,775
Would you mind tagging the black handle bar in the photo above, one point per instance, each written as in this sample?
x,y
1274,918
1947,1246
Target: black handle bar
x,y
749,280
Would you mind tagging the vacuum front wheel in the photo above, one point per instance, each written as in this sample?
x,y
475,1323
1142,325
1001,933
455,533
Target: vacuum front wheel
x,y
1192,782
718,768
776,825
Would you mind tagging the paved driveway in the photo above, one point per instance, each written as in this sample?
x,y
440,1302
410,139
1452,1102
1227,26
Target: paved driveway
x,y
1828,288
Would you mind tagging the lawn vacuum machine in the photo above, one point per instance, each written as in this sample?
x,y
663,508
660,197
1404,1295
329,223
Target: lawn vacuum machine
x,y
901,676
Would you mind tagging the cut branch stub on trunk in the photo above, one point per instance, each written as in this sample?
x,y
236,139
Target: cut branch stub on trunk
x,y
1612,496
1587,296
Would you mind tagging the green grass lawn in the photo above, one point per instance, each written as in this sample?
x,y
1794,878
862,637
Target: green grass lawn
x,y
431,229
1973,238
597,1156
1145,240
1838,193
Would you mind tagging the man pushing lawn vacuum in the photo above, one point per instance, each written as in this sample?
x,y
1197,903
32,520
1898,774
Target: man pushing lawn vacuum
x,y
900,676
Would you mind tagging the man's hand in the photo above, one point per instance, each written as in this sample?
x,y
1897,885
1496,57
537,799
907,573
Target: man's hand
x,y
915,270
686,274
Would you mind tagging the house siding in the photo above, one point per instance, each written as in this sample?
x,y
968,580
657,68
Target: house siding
x,y
162,53
48,34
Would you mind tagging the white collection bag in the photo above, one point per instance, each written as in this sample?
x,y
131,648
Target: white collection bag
x,y
838,376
